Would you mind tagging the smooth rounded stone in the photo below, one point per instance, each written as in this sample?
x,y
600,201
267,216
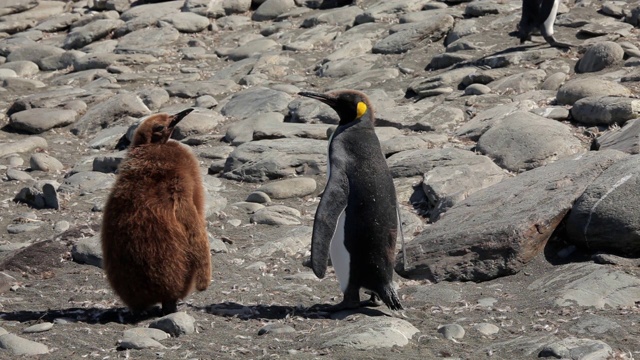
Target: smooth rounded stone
x,y
176,324
371,333
18,175
452,182
45,162
600,56
248,207
405,143
275,328
577,89
552,112
350,50
58,23
253,48
155,334
7,73
25,145
477,89
418,162
404,37
95,30
20,346
187,22
196,89
523,141
206,102
271,9
242,131
344,16
486,329
482,8
88,251
305,110
60,62
346,67
553,81
462,28
519,83
605,110
445,60
39,120
442,118
86,182
384,10
197,123
451,331
574,348
258,197
61,226
24,227
108,138
276,215
289,188
22,68
588,285
152,41
254,101
116,107
33,53
45,326
138,342
21,85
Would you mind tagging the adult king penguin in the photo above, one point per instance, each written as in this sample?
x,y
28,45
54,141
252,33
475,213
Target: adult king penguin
x,y
539,14
154,235
357,219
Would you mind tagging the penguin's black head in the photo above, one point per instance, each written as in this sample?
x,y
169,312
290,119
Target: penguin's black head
x,y
350,105
157,128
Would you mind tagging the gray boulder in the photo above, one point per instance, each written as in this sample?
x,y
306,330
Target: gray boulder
x,y
497,230
577,89
254,101
418,162
603,218
404,37
485,119
605,110
104,114
36,121
600,56
523,141
625,139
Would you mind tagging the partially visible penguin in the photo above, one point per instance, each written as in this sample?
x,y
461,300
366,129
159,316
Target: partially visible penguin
x,y
357,219
541,15
154,237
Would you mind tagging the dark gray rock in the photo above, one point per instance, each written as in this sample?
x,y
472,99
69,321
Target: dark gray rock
x,y
176,324
523,141
188,22
272,159
95,30
625,139
344,16
602,219
112,110
605,110
418,162
577,89
149,41
88,251
490,235
271,9
600,56
404,37
254,101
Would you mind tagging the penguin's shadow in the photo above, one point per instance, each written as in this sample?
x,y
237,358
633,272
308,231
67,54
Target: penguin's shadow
x,y
279,312
120,315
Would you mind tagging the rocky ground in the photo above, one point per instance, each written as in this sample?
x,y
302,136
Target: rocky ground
x,y
514,165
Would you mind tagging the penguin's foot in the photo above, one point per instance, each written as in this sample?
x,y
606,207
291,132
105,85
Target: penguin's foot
x,y
374,301
553,42
169,307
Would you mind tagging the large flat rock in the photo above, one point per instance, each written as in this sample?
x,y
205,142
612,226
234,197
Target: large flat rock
x,y
497,230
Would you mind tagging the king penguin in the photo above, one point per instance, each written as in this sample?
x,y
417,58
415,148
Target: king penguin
x,y
154,238
357,220
541,15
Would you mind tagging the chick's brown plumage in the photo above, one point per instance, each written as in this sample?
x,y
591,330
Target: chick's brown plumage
x,y
154,237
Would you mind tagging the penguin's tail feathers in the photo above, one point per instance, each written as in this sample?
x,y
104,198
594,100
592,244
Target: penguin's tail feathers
x,y
390,298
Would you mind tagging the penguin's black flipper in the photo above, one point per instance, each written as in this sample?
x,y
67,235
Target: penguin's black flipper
x,y
331,207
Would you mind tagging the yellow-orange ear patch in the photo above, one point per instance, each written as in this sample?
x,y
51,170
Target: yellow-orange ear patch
x,y
361,109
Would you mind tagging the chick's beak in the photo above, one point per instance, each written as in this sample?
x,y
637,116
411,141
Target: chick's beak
x,y
175,119
327,99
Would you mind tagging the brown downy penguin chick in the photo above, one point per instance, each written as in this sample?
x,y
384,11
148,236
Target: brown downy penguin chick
x,y
154,237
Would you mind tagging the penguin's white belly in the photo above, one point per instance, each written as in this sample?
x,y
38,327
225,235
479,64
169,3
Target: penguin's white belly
x,y
548,23
340,257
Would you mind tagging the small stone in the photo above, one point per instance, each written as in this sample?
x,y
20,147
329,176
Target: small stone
x,y
276,215
206,101
248,207
61,226
22,228
88,251
21,346
45,326
258,197
18,175
452,331
486,329
487,302
288,188
155,334
45,162
176,324
477,89
276,329
137,342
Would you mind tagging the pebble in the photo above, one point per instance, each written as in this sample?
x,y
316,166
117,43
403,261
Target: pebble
x,y
45,326
451,331
20,346
45,162
275,328
486,329
288,188
258,197
175,324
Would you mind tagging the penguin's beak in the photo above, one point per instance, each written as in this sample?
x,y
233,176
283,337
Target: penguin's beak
x,y
327,99
175,119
